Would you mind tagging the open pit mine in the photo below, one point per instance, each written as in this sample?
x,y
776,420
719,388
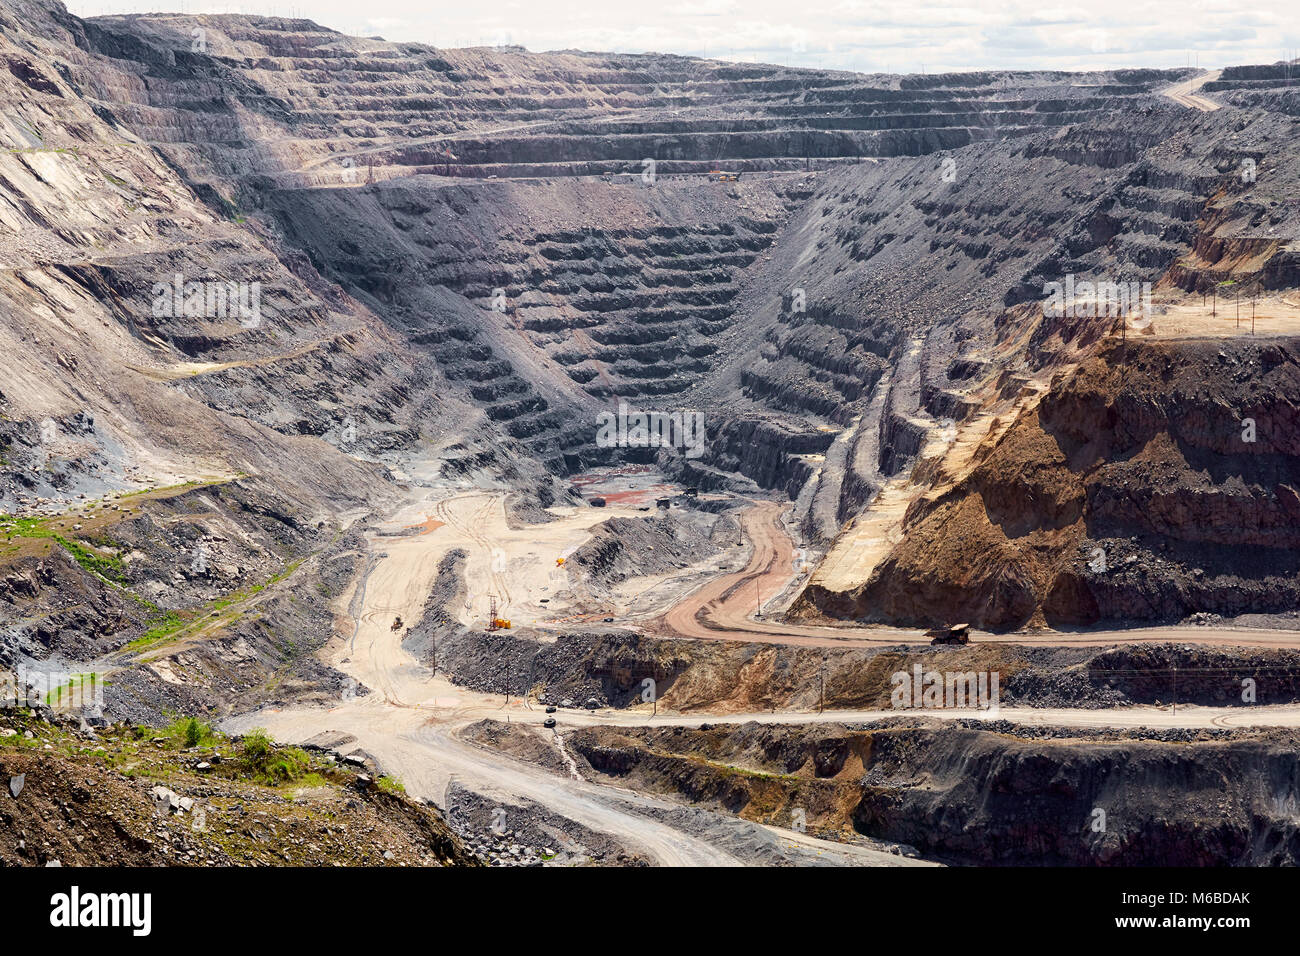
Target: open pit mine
x,y
461,457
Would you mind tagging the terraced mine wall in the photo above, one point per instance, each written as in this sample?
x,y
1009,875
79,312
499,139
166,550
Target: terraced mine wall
x,y
561,110
971,794
594,310
548,328
1157,481
737,677
1271,86
347,177
919,287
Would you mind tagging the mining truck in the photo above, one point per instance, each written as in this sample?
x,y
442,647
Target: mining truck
x,y
956,634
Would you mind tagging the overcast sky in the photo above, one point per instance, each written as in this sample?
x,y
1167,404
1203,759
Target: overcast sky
x,y
865,35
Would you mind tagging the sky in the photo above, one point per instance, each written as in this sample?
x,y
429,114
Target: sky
x,y
864,35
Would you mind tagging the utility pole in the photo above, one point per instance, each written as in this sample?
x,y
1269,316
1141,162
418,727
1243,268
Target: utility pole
x,y
758,604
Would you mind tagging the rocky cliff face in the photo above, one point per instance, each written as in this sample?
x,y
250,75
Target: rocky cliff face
x,y
1166,470
1155,481
973,796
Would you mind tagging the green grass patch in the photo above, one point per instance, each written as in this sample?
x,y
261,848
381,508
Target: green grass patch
x,y
170,624
13,527
78,687
173,623
107,566
271,765
190,732
390,785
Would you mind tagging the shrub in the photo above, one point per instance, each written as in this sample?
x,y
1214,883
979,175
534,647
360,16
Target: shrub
x,y
190,732
286,766
196,733
271,765
256,746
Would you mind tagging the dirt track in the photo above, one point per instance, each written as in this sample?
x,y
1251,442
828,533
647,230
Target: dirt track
x,y
723,609
517,565
1185,92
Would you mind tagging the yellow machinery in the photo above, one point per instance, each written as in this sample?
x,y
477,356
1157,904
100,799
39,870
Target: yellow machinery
x,y
495,621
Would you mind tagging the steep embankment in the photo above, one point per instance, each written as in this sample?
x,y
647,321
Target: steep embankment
x,y
1157,480
736,677
132,796
895,278
975,796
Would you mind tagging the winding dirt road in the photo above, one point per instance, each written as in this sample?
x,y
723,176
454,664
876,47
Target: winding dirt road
x,y
418,742
723,609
